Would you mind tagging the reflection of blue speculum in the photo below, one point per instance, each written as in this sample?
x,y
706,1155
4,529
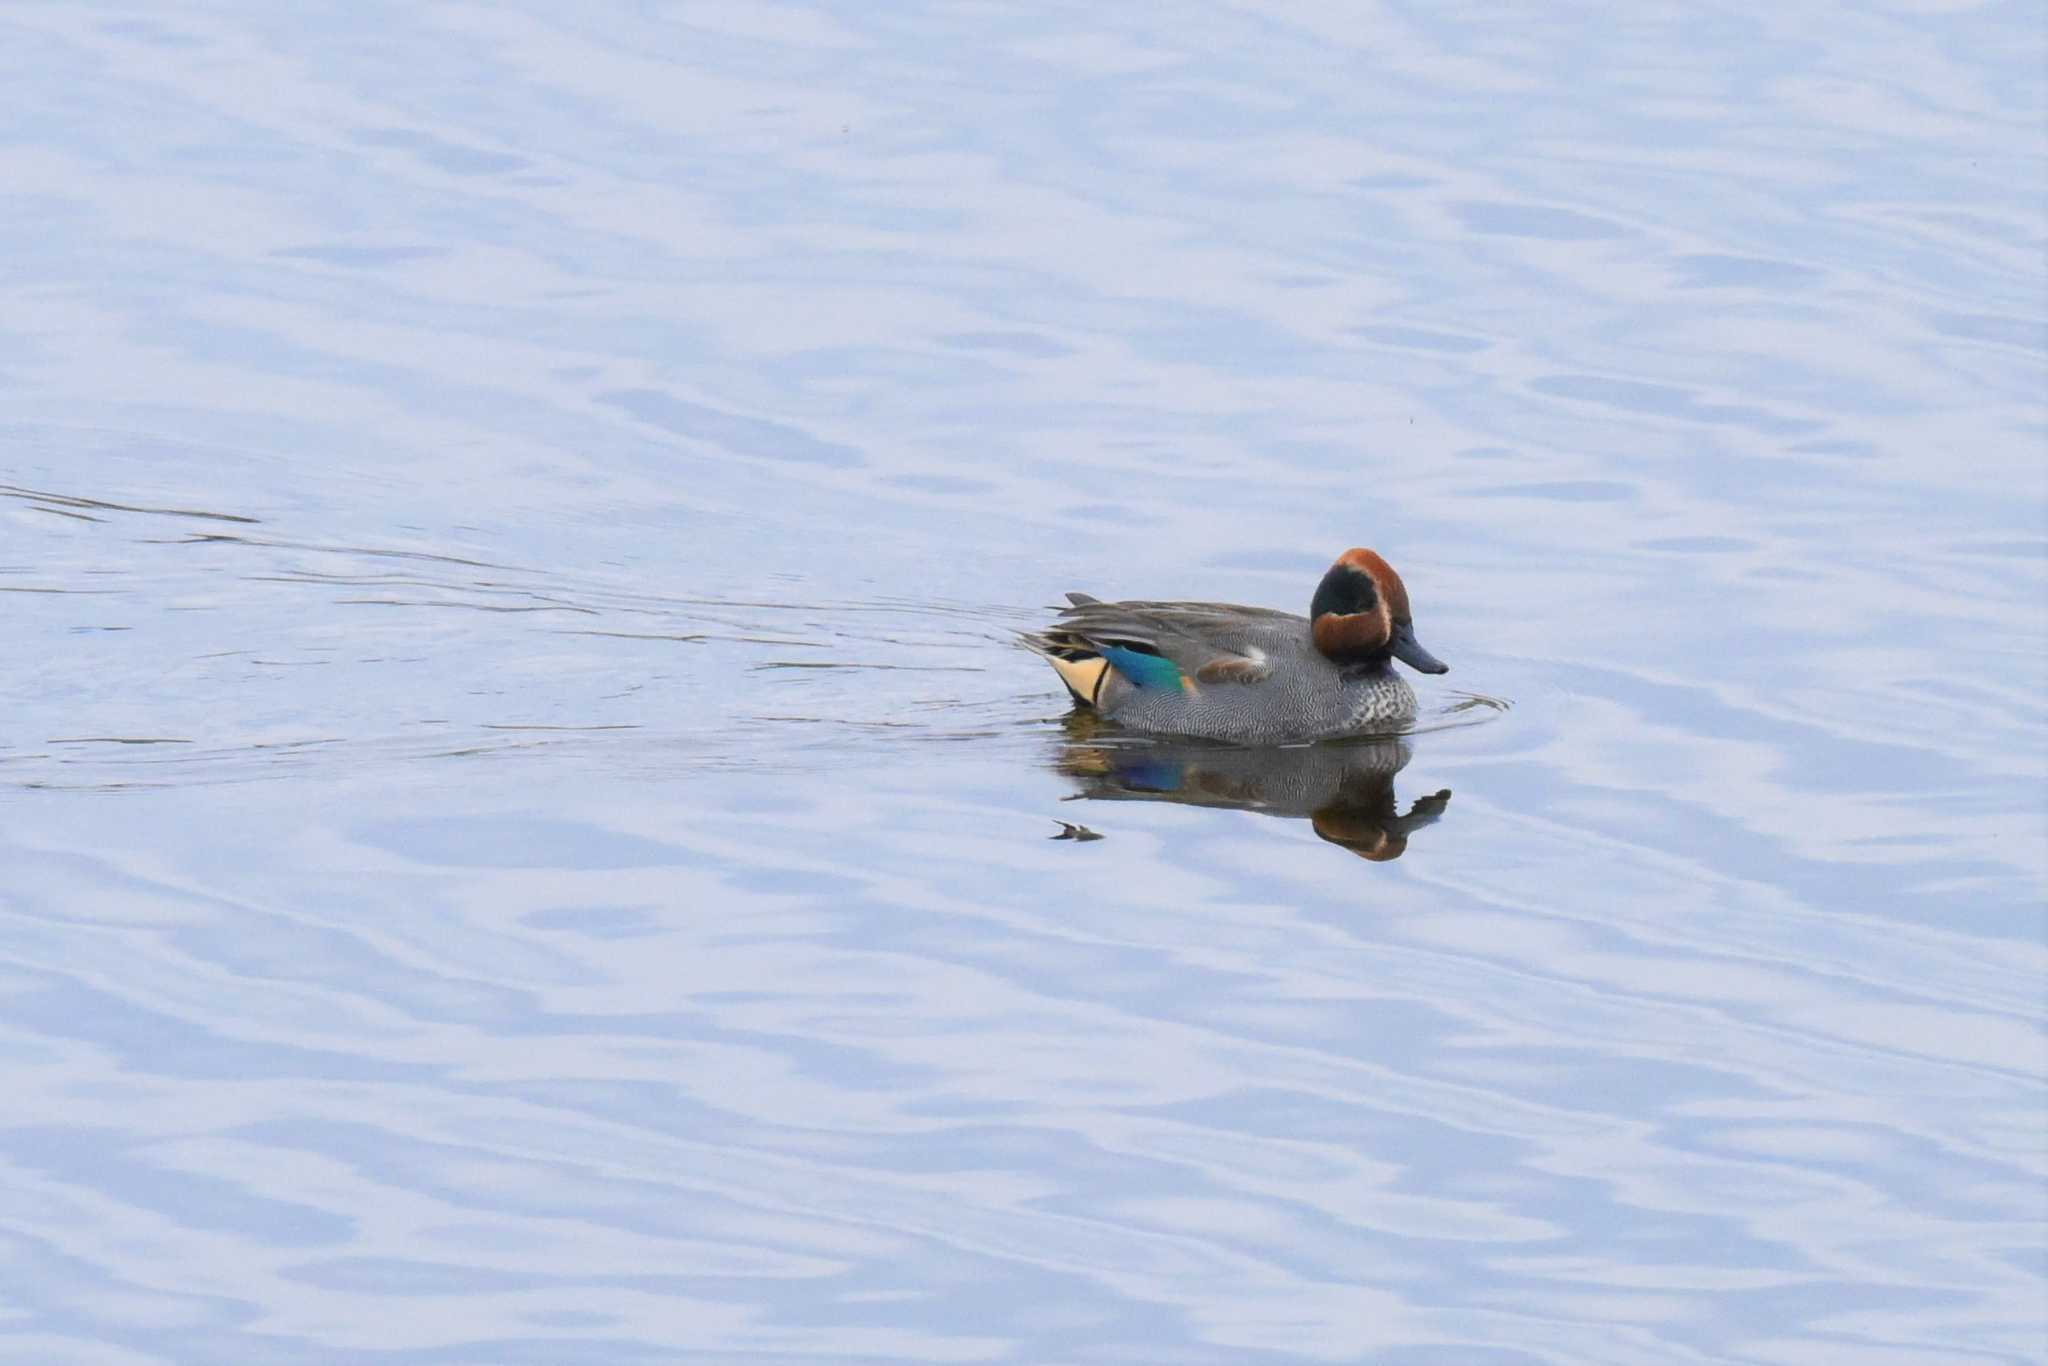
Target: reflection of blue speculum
x,y
1344,789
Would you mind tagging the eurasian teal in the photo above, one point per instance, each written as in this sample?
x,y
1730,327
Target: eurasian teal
x,y
1217,671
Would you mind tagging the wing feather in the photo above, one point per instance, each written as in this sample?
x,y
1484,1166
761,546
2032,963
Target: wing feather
x,y
1204,640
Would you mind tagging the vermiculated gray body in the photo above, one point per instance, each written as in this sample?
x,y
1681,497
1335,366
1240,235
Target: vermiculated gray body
x,y
1251,674
1306,697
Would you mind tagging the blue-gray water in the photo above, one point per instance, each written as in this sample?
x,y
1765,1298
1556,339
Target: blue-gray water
x,y
524,837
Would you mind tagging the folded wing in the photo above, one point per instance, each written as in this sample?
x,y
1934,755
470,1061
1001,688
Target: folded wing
x,y
1152,644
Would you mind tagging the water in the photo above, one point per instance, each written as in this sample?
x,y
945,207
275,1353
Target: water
x,y
526,837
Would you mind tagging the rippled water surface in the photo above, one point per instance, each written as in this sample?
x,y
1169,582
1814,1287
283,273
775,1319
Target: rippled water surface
x,y
525,835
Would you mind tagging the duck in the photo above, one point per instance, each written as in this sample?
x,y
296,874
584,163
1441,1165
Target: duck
x,y
1247,675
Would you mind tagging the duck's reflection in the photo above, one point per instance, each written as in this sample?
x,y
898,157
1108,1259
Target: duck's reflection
x,y
1344,789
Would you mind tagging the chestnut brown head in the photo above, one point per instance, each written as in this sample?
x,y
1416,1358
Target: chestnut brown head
x,y
1359,616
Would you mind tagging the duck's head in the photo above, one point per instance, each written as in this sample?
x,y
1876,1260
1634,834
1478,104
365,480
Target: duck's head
x,y
1360,615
